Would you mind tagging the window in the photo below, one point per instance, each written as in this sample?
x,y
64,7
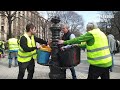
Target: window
x,y
2,28
2,21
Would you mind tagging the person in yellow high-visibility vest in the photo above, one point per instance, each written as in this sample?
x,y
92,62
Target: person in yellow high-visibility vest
x,y
82,45
98,52
1,43
13,50
27,51
2,48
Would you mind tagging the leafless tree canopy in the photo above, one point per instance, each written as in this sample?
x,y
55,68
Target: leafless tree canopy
x,y
11,15
111,19
72,19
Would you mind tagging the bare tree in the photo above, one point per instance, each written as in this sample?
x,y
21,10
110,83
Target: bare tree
x,y
105,17
10,15
72,19
44,23
113,22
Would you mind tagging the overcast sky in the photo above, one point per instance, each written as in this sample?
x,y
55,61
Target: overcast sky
x,y
88,16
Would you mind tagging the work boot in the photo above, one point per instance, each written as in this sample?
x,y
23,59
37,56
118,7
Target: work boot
x,y
111,70
15,65
74,77
9,66
3,56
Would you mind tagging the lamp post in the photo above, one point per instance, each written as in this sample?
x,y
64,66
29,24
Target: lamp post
x,y
55,72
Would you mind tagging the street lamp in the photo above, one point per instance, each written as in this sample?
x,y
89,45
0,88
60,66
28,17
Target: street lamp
x,y
55,72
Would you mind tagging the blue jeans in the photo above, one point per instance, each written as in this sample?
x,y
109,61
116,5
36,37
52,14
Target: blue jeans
x,y
112,62
12,55
10,61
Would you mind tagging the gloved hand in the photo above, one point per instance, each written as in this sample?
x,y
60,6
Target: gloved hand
x,y
62,48
75,45
38,45
60,41
66,47
49,42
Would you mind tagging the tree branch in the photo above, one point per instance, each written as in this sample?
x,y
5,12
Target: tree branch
x,y
117,26
13,14
15,18
7,12
3,13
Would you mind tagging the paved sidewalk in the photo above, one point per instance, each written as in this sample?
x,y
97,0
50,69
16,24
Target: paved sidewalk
x,y
41,72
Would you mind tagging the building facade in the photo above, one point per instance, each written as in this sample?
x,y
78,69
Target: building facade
x,y
20,20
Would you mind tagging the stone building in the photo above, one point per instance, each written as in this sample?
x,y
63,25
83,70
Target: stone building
x,y
21,19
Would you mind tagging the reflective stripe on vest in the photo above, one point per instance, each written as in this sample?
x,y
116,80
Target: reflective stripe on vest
x,y
99,54
13,46
98,49
27,56
25,53
99,58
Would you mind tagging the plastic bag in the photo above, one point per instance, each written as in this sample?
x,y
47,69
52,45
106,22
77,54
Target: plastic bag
x,y
45,48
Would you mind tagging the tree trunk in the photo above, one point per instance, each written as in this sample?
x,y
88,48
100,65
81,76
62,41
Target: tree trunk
x,y
9,24
44,34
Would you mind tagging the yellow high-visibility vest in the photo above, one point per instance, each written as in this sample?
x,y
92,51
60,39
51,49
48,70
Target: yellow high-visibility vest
x,y
99,54
27,56
12,44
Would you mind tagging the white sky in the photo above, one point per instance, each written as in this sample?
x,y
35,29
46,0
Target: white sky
x,y
88,16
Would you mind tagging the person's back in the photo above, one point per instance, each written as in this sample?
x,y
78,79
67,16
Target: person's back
x,y
13,51
98,53
112,43
112,46
13,44
102,43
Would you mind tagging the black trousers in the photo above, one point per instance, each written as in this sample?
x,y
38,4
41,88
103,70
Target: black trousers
x,y
95,72
73,73
27,65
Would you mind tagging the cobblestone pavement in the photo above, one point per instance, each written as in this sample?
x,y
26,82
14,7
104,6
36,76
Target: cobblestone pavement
x,y
41,72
